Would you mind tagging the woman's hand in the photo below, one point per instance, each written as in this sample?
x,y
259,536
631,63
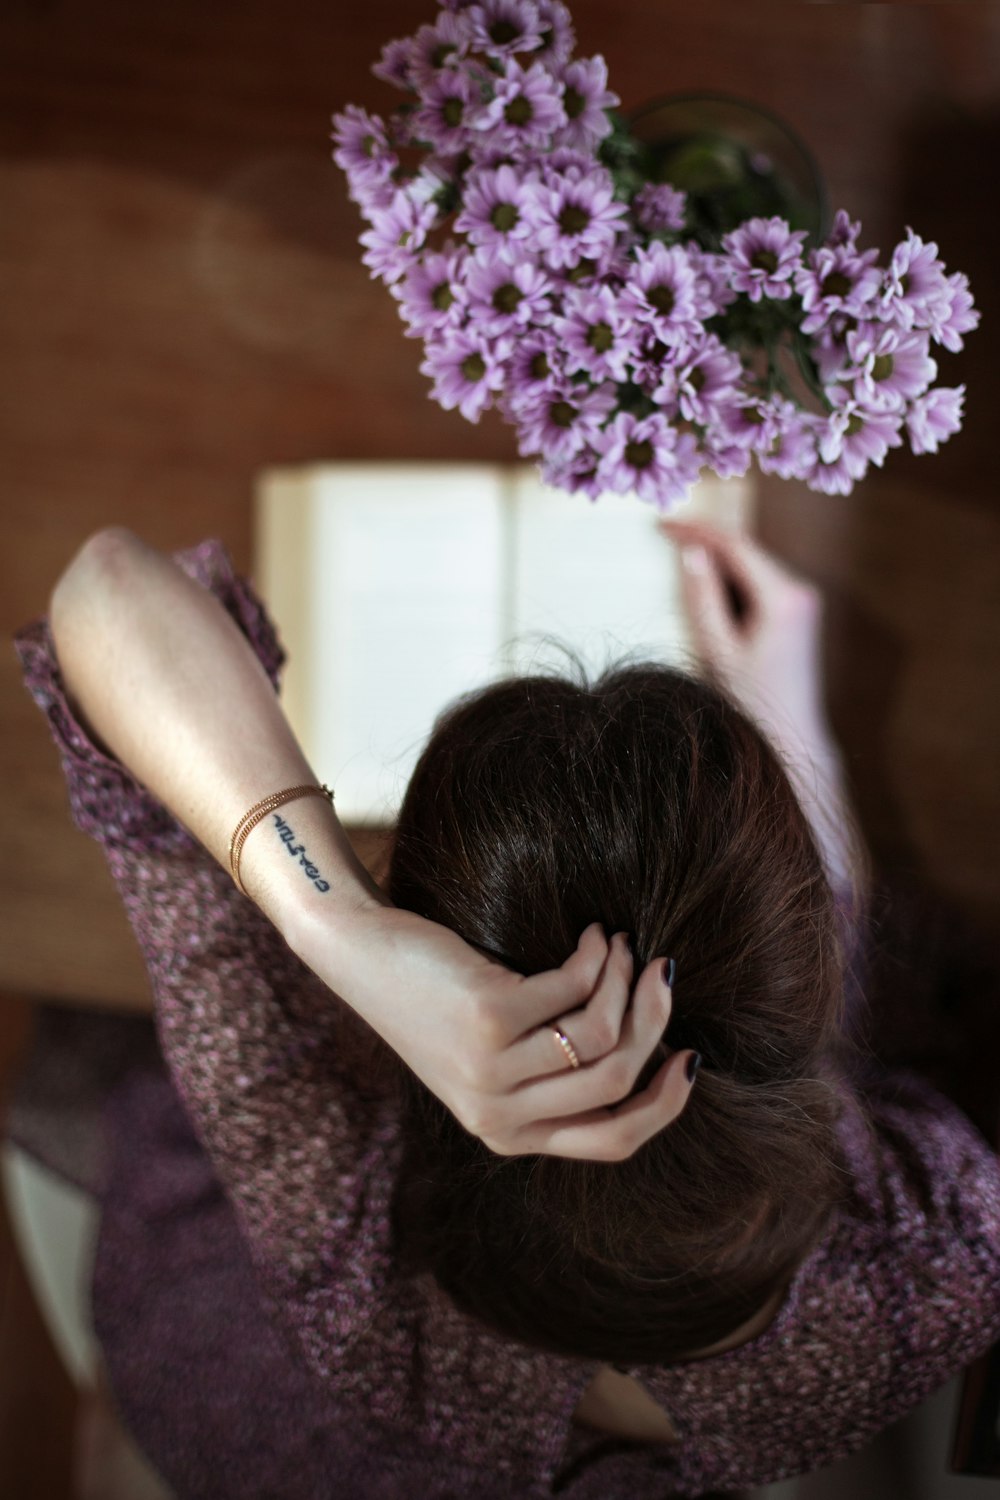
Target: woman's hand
x,y
757,633
479,1036
756,630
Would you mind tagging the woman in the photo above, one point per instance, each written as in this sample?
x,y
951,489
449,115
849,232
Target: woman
x,y
547,1254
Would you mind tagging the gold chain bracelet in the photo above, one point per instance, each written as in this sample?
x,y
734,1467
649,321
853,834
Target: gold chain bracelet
x,y
257,813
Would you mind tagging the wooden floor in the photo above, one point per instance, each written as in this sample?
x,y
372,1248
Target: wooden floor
x,y
184,304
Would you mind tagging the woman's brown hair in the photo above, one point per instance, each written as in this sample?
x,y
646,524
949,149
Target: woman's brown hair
x,y
650,803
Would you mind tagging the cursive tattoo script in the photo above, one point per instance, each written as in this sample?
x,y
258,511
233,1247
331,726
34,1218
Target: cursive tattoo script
x,y
298,851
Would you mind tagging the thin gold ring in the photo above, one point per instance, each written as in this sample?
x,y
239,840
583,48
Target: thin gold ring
x,y
567,1046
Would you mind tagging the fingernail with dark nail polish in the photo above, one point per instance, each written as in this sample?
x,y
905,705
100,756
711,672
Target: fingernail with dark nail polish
x,y
669,972
693,1064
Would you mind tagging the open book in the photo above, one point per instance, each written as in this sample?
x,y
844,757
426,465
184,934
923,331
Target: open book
x,y
398,586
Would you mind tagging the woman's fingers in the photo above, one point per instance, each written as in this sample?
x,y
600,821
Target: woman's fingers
x,y
714,623
608,1081
591,1031
600,1135
545,997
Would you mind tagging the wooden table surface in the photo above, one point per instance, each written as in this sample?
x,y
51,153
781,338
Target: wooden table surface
x,y
184,304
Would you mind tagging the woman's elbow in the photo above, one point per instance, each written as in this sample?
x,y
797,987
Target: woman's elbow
x,y
106,560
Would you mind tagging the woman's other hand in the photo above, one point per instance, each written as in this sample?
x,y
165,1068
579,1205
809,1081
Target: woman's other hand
x,y
756,630
480,1036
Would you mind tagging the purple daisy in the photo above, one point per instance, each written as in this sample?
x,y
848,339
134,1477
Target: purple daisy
x,y
535,369
705,377
467,369
751,423
659,208
505,296
525,111
763,256
727,460
432,295
934,417
888,367
791,453
714,294
662,292
861,435
448,110
586,99
438,47
362,150
845,231
837,279
649,456
566,417
502,27
394,64
397,232
596,336
558,36
494,205
953,313
578,475
575,219
914,282
837,477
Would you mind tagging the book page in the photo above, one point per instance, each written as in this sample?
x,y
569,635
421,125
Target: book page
x,y
386,581
597,577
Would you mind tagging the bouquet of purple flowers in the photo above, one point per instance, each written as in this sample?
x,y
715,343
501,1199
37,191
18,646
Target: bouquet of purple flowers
x,y
628,343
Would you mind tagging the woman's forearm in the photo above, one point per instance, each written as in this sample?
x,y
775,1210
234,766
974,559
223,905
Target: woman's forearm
x,y
165,679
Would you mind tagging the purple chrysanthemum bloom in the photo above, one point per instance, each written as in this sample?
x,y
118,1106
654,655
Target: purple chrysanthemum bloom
x,y
829,348
439,47
914,282
835,478
662,292
362,150
763,256
432,295
888,367
791,454
861,435
394,64
448,110
953,313
506,296
714,294
586,99
536,369
397,233
845,231
751,423
566,417
649,456
494,204
577,476
576,219
525,112
467,369
703,378
837,279
502,27
727,460
595,335
659,208
934,417
558,36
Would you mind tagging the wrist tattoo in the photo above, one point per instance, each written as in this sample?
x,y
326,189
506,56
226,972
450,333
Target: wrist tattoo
x,y
298,851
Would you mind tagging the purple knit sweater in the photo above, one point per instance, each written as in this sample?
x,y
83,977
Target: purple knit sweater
x,y
261,1340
